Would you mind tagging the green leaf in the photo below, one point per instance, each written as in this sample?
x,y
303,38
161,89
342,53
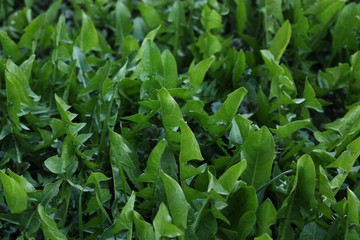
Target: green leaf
x,y
310,97
125,159
189,147
50,191
344,30
88,39
271,63
96,177
52,11
215,187
130,45
266,217
62,107
263,237
151,62
150,15
55,165
210,19
32,31
209,44
305,180
19,95
241,16
347,159
229,178
220,121
9,47
344,163
176,200
15,194
171,115
95,84
170,70
246,224
123,23
281,40
244,197
326,9
149,37
143,229
24,183
301,198
177,19
239,67
100,194
207,227
273,11
125,221
22,74
289,128
48,225
163,226
353,208
312,230
26,67
342,131
355,65
62,35
259,151
241,129
197,72
153,164
325,187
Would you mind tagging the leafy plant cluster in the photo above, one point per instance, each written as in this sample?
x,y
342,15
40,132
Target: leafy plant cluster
x,y
158,119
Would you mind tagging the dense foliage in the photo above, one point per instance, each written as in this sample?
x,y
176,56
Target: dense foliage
x,y
157,119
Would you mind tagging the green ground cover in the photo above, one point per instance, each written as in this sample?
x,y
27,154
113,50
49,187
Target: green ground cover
x,y
160,119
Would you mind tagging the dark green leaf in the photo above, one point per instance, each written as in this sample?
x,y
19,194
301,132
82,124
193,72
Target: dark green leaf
x,y
219,122
259,151
312,230
153,166
246,224
266,217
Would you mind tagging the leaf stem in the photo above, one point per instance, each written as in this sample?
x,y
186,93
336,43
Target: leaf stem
x,y
274,179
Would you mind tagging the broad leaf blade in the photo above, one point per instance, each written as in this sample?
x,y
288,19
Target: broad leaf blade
x,y
189,147
229,178
163,226
281,40
170,70
15,194
171,115
291,127
88,38
266,217
48,225
197,72
259,151
153,165
220,121
176,200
